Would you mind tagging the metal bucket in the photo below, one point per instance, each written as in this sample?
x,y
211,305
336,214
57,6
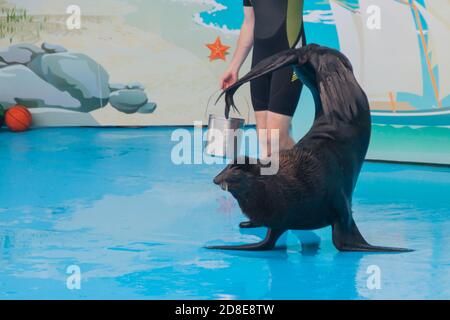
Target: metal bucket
x,y
224,136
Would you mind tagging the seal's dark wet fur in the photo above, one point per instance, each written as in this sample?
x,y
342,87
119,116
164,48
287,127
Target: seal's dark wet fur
x,y
314,185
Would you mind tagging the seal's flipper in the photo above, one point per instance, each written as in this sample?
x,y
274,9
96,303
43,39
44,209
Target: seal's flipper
x,y
267,244
350,239
248,225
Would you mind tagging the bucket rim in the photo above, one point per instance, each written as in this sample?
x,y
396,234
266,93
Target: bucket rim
x,y
215,116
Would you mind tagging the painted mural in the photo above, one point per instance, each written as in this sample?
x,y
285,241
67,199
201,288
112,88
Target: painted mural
x,y
133,62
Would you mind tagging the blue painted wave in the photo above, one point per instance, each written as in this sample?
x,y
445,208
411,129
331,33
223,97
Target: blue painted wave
x,y
229,14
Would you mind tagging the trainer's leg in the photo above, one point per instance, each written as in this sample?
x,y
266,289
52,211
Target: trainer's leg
x,y
282,124
261,127
285,91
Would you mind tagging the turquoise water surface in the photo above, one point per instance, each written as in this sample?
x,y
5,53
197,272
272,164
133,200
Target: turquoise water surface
x,y
112,202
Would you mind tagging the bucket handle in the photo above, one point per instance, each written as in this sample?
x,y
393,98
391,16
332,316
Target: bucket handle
x,y
208,104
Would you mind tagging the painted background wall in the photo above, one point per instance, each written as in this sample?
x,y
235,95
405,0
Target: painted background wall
x,y
136,62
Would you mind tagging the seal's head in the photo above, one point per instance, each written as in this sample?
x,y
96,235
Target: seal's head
x,y
245,183
236,176
230,178
239,177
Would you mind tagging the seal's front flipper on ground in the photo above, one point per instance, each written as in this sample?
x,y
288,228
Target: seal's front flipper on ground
x,y
350,239
267,244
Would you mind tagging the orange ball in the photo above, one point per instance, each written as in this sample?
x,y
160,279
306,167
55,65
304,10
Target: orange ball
x,y
18,118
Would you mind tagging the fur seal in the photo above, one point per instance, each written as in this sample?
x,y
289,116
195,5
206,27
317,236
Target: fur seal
x,y
314,185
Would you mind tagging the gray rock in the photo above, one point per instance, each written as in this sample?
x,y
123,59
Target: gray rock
x,y
128,101
20,85
20,53
79,75
52,48
136,85
28,46
147,108
117,86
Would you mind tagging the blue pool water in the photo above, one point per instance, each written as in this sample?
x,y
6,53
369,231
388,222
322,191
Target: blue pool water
x,y
111,202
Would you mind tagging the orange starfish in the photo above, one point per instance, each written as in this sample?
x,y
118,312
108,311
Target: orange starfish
x,y
218,50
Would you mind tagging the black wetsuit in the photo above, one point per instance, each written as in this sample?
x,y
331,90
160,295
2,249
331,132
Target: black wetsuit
x,y
278,27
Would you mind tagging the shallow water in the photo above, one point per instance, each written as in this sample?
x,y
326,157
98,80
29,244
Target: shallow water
x,y
111,202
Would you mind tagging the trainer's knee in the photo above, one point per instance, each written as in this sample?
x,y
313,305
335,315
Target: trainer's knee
x,y
279,139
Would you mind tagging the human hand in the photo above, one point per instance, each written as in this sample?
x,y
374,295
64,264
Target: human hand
x,y
228,78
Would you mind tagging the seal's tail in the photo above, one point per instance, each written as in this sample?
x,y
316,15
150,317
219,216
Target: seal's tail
x,y
269,65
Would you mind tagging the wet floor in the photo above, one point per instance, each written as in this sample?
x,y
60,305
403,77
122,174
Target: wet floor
x,y
112,203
